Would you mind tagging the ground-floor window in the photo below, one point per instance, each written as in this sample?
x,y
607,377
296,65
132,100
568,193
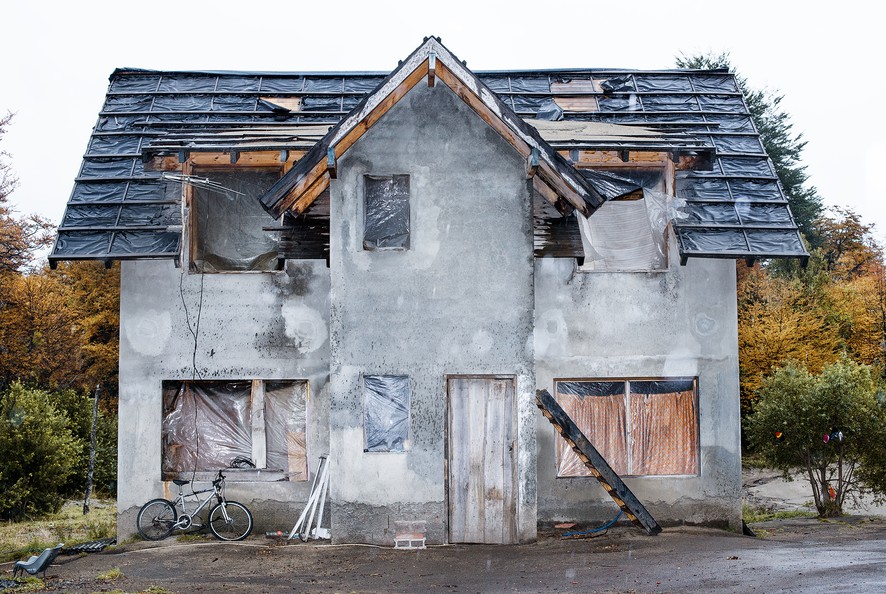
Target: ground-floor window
x,y
385,413
207,425
641,427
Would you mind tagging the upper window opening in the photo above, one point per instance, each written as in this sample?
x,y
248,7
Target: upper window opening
x,y
229,224
640,427
630,233
386,212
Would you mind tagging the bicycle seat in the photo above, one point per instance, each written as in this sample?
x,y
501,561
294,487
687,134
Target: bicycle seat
x,y
180,482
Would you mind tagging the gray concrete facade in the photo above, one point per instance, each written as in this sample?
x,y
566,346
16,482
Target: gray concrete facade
x,y
251,326
466,298
459,301
679,322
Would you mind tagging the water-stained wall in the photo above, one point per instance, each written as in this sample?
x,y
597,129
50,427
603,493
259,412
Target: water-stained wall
x,y
458,301
675,323
180,326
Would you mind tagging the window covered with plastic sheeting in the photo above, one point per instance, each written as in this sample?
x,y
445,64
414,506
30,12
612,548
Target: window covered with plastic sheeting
x,y
640,427
211,425
228,222
629,234
386,212
385,412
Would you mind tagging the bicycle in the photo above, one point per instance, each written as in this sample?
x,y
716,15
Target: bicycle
x,y
228,520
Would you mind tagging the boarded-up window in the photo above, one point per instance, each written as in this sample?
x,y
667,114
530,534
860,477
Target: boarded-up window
x,y
385,412
640,428
386,212
229,223
209,424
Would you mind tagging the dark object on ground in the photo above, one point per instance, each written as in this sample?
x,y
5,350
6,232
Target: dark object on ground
x,y
746,530
38,563
96,546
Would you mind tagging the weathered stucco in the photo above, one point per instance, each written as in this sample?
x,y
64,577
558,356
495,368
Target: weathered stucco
x,y
678,322
458,302
466,299
251,325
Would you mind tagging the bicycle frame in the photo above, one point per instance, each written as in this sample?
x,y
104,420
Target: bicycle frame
x,y
186,518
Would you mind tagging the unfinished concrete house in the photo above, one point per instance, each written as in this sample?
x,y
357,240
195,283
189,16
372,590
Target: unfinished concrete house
x,y
385,267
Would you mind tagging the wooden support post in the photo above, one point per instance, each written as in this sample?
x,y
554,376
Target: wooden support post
x,y
330,162
598,466
532,162
432,65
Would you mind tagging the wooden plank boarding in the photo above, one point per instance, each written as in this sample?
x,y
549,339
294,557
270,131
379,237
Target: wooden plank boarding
x,y
598,466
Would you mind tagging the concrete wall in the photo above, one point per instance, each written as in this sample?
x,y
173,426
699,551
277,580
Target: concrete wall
x,y
679,322
459,301
252,325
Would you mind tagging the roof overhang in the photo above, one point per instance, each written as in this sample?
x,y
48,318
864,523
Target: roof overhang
x,y
554,177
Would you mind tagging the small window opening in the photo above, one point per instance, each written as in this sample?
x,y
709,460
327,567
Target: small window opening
x,y
386,212
385,413
230,225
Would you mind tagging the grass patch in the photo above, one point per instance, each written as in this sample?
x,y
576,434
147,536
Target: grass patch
x,y
111,575
26,584
751,514
18,540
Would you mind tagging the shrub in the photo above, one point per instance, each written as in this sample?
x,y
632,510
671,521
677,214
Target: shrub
x,y
38,451
831,426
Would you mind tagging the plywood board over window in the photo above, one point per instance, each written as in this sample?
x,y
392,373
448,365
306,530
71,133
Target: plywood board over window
x,y
641,427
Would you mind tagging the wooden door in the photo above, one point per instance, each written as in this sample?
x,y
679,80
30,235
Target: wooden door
x,y
481,482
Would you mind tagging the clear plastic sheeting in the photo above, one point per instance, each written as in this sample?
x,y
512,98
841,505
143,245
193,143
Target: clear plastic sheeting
x,y
650,429
386,216
713,84
230,222
738,144
385,412
205,425
624,235
718,104
286,427
746,166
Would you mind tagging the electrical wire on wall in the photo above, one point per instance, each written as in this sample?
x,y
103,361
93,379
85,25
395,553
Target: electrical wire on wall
x,y
194,330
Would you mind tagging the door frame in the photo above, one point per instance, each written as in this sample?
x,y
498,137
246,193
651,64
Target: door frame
x,y
447,442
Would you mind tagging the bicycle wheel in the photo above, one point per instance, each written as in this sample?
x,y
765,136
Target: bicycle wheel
x,y
156,519
238,525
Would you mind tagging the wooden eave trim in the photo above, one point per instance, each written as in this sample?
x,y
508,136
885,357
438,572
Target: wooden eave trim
x,y
571,187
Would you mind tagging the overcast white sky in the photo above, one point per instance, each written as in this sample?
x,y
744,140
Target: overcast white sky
x,y
823,57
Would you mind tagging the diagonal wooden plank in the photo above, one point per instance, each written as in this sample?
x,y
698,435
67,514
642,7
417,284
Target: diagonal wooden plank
x,y
587,453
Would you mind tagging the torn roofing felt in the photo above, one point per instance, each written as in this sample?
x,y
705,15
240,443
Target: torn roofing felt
x,y
152,122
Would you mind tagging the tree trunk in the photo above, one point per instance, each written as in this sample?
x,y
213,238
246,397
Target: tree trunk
x,y
91,471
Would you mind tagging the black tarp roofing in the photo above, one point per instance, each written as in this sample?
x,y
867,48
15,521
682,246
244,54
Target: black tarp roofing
x,y
117,210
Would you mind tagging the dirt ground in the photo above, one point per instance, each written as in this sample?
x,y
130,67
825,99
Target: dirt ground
x,y
797,555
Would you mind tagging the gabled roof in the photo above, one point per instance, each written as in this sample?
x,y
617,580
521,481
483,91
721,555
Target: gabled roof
x,y
430,62
122,207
